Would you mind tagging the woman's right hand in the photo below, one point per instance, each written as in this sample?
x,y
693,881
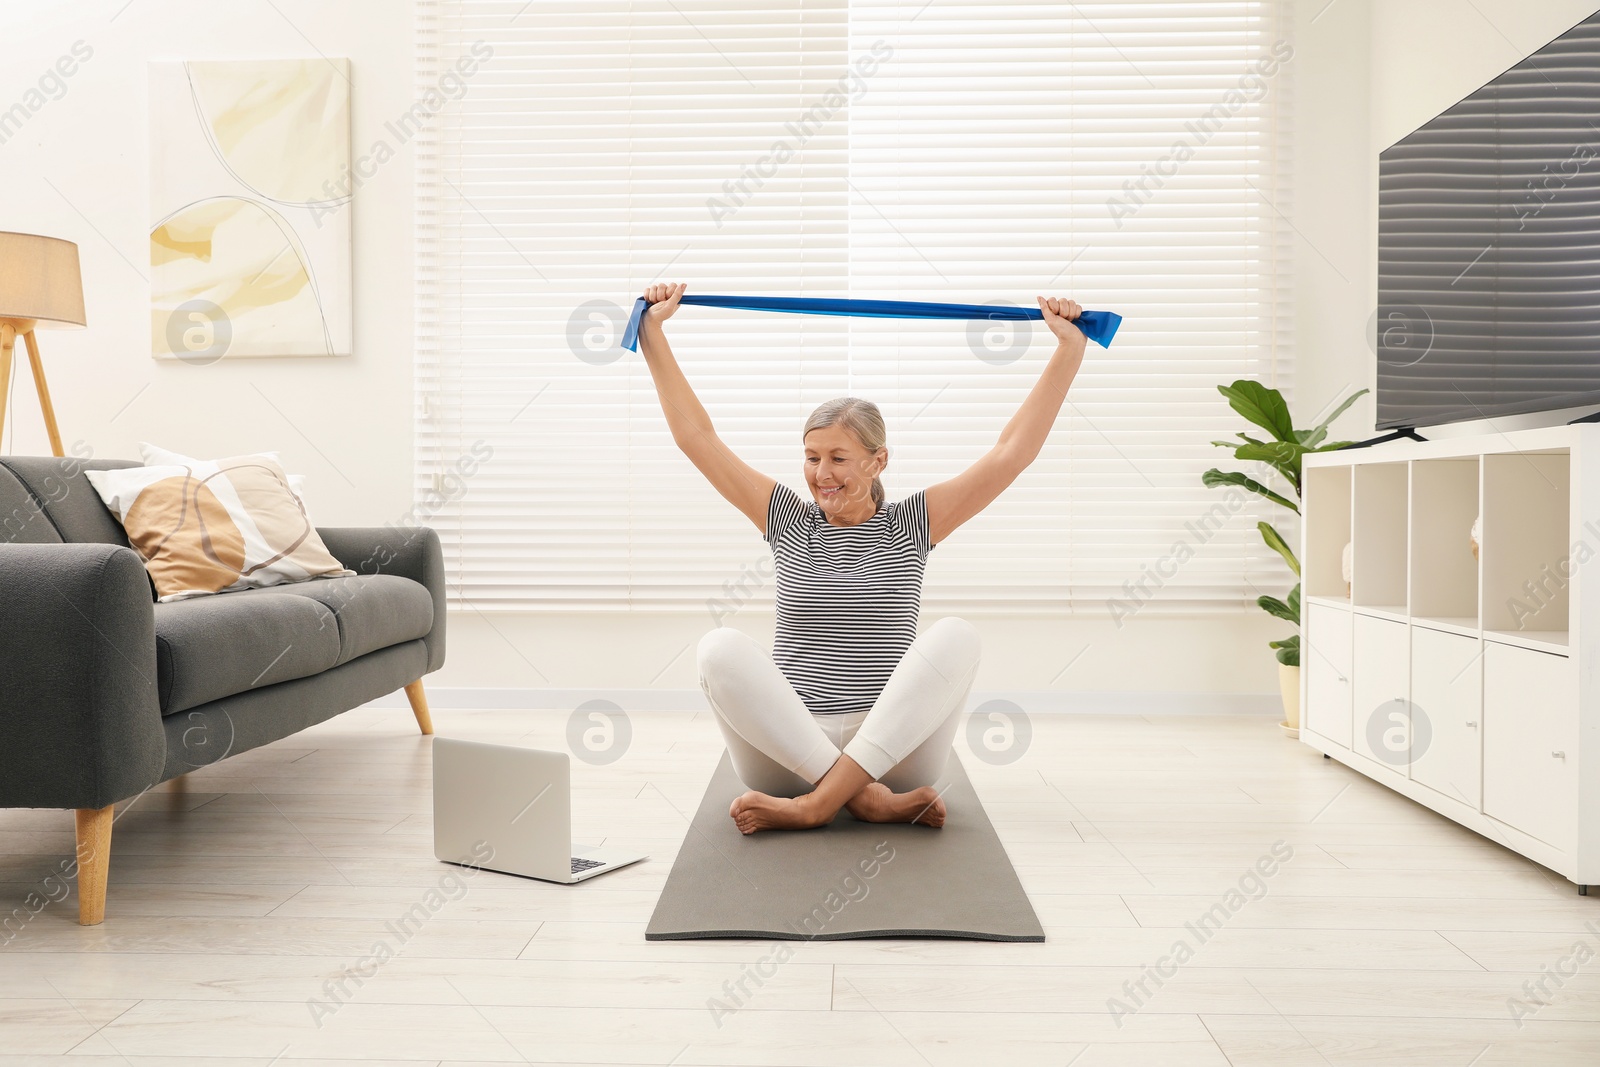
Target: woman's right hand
x,y
663,299
1059,315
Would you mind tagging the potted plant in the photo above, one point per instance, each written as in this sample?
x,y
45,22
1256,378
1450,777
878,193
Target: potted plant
x,y
1265,407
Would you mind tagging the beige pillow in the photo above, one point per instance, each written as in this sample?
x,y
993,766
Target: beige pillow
x,y
155,456
215,526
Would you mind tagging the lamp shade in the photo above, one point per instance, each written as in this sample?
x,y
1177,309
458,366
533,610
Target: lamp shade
x,y
39,280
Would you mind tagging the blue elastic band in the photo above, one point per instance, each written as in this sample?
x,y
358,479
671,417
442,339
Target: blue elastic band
x,y
1098,326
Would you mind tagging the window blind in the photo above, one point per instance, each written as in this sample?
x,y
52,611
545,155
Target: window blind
x,y
1127,154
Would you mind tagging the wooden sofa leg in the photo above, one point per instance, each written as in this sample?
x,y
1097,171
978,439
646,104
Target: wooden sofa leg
x,y
94,863
419,705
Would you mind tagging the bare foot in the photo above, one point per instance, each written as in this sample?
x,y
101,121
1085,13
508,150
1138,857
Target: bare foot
x,y
875,803
754,811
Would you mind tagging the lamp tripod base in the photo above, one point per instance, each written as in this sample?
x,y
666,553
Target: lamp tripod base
x,y
8,340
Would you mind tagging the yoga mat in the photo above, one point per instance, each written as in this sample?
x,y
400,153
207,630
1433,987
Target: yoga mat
x,y
845,880
1098,326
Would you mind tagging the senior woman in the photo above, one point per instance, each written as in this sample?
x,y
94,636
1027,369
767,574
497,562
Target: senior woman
x,y
853,708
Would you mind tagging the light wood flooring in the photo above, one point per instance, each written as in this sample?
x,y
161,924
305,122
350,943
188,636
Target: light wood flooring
x,y
1392,936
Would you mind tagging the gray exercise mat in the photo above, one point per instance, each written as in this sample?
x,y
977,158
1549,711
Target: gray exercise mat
x,y
848,879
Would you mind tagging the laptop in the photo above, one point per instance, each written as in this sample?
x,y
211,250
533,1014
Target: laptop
x,y
509,809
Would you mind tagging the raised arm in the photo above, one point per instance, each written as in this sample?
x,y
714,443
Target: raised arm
x,y
739,483
953,502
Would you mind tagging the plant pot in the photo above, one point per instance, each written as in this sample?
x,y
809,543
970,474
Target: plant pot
x,y
1289,691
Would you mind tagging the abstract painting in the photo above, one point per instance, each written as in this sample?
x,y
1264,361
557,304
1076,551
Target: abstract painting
x,y
250,204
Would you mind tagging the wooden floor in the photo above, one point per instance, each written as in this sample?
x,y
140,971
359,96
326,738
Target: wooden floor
x,y
237,897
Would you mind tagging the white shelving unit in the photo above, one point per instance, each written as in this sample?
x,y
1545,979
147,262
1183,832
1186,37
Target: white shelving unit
x,y
1461,681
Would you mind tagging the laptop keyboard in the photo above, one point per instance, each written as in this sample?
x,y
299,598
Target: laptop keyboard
x,y
583,865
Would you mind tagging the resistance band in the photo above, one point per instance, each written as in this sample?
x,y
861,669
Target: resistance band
x,y
1097,326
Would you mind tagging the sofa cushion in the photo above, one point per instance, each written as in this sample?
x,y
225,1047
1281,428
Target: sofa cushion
x,y
22,518
67,498
214,647
373,611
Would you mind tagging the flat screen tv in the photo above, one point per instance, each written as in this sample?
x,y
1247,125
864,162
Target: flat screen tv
x,y
1489,247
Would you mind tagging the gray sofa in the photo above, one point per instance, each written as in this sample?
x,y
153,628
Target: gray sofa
x,y
105,693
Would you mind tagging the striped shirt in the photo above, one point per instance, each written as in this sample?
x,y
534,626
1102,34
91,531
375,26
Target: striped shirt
x,y
848,597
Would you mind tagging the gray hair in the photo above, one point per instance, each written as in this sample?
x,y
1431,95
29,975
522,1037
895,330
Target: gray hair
x,y
862,418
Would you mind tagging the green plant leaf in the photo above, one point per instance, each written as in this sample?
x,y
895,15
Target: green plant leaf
x,y
1244,437
1276,542
1263,406
1288,650
1213,478
1283,456
1314,436
1273,606
1278,453
1294,602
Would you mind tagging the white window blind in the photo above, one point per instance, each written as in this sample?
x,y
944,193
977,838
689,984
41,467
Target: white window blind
x,y
1127,154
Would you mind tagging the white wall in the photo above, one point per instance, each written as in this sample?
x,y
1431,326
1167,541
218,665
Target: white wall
x,y
78,169
1428,54
1334,212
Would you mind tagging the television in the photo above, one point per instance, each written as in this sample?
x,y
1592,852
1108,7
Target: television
x,y
1489,248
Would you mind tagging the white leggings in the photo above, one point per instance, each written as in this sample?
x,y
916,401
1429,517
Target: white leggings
x,y
781,749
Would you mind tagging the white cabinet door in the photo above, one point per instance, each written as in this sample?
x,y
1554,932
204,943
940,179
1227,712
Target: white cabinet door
x,y
1380,668
1325,658
1447,714
1530,754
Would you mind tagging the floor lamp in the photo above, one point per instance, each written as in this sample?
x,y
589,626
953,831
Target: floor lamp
x,y
40,286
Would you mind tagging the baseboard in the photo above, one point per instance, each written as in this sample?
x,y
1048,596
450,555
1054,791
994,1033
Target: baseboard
x,y
1035,702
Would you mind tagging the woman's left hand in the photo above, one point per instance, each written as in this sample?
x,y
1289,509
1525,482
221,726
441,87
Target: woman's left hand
x,y
1058,315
